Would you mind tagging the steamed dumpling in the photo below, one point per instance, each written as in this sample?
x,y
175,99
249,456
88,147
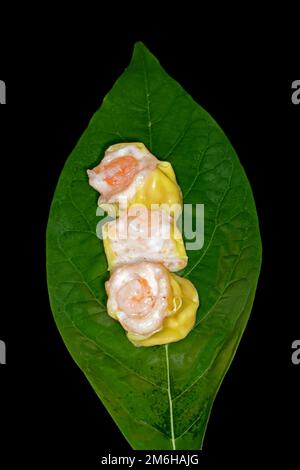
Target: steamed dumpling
x,y
153,305
144,235
130,174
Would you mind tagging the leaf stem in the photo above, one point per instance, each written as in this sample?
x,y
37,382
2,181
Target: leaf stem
x,y
170,398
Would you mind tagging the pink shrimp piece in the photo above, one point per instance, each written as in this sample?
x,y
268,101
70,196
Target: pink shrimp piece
x,y
138,296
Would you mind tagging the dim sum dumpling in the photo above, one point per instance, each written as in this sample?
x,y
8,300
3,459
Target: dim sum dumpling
x,y
153,305
143,235
130,174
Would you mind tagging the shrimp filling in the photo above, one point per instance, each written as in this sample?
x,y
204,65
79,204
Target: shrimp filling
x,y
138,297
122,170
147,235
117,173
135,297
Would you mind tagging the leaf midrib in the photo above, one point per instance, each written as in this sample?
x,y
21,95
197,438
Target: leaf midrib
x,y
149,125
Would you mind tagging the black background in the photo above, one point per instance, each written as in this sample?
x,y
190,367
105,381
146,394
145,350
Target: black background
x,y
48,410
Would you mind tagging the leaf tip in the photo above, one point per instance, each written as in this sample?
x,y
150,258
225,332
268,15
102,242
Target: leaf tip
x,y
141,52
139,49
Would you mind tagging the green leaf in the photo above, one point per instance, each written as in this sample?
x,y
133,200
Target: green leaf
x,y
160,397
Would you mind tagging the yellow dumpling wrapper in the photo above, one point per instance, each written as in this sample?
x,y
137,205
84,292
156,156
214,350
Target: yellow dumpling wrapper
x,y
122,244
179,322
160,187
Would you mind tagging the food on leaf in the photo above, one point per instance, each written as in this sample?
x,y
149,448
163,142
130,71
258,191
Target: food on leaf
x,y
142,235
129,174
153,305
160,397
